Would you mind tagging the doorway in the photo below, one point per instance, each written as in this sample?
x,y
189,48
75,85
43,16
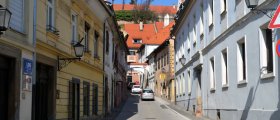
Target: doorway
x,y
199,93
7,88
74,99
43,93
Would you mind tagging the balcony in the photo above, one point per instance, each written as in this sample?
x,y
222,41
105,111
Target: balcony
x,y
131,58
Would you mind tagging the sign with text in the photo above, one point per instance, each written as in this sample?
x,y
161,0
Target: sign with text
x,y
27,67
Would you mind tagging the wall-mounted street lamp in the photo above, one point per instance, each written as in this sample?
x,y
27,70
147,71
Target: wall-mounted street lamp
x,y
5,16
79,52
252,4
182,60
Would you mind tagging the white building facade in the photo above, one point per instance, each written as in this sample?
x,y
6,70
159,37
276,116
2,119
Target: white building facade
x,y
231,69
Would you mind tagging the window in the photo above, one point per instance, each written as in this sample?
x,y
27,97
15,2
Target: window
x,y
137,41
189,82
74,99
201,19
184,84
212,74
96,37
177,86
223,4
95,99
266,51
107,42
74,28
194,31
241,60
210,15
50,13
162,61
158,63
181,85
224,68
86,37
131,52
86,98
17,18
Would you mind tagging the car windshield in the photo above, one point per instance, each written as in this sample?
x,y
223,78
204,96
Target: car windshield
x,y
136,86
147,91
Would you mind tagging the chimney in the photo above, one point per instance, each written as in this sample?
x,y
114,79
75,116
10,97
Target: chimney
x,y
166,20
174,6
141,25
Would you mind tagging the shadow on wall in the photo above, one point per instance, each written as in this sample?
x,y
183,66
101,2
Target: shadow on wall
x,y
130,108
248,104
276,115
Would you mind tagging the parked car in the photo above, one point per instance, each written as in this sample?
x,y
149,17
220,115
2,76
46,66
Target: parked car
x,y
147,94
136,89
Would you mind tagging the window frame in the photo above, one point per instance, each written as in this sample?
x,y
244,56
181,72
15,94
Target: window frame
x,y
263,53
86,98
22,28
224,67
212,76
51,22
74,27
241,60
96,37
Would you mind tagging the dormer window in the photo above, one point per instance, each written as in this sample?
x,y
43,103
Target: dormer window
x,y
137,41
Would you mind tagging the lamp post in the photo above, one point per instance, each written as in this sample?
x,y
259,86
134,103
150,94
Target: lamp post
x,y
5,16
252,4
79,52
182,60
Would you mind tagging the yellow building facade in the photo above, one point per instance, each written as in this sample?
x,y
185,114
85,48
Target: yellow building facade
x,y
75,88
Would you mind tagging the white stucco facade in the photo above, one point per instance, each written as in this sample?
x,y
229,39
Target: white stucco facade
x,y
231,69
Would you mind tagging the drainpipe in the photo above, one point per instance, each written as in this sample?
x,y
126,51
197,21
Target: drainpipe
x,y
104,25
34,53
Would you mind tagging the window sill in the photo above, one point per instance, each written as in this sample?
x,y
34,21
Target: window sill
x,y
225,86
241,82
211,27
17,31
267,76
52,35
223,14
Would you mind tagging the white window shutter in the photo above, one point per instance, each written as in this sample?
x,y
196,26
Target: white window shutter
x,y
210,15
17,9
222,6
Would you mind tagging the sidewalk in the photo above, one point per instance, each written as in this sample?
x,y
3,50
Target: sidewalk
x,y
179,110
115,112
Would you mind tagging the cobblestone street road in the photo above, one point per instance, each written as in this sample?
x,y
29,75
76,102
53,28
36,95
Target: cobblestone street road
x,y
135,109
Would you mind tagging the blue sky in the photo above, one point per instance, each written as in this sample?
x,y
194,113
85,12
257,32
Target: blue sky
x,y
155,2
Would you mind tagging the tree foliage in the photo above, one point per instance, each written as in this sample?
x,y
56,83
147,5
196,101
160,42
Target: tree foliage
x,y
141,12
125,15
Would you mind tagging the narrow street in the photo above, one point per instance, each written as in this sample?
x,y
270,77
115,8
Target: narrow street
x,y
135,109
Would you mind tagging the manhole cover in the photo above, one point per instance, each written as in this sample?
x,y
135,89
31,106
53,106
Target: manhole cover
x,y
163,106
150,118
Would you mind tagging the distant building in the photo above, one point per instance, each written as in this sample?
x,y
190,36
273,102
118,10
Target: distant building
x,y
140,35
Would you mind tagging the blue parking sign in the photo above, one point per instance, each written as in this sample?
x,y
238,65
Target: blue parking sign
x,y
27,67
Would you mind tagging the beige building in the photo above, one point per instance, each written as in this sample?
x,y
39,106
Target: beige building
x,y
74,87
162,61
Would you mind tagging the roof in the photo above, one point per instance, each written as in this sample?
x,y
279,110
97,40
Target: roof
x,y
153,33
156,8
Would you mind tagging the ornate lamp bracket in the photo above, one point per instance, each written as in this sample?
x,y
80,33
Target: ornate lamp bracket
x,y
63,62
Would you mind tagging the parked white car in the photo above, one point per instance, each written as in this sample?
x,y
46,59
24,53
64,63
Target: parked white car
x,y
136,89
147,94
